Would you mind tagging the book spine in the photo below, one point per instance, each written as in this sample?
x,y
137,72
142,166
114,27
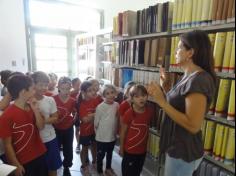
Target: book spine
x,y
209,139
224,144
223,98
232,57
227,52
230,150
219,50
218,141
231,110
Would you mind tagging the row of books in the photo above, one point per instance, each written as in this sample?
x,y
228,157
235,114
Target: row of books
x,y
223,105
223,44
219,141
193,13
153,145
144,52
208,169
85,40
157,18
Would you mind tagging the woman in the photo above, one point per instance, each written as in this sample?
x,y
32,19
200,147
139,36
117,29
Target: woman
x,y
186,104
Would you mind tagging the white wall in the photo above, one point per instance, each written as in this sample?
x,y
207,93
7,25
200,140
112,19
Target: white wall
x,y
113,7
12,36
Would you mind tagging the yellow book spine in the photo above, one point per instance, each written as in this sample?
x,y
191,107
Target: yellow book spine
x,y
205,12
223,98
225,138
203,128
227,52
230,149
177,39
219,50
155,147
188,14
218,141
212,38
194,13
209,139
210,12
231,110
172,55
199,12
175,13
232,58
152,144
183,14
180,12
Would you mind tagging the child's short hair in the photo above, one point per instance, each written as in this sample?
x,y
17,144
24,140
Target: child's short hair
x,y
5,74
138,90
127,87
108,86
85,85
64,80
17,83
74,81
53,76
40,76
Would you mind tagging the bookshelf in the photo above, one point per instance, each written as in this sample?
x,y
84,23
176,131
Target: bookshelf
x,y
170,33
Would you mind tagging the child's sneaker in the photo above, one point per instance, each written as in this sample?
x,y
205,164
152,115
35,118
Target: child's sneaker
x,y
110,172
85,171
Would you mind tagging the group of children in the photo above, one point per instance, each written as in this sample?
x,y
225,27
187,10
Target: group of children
x,y
40,121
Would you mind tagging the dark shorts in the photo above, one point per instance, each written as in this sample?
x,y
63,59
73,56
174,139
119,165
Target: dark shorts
x,y
52,156
87,140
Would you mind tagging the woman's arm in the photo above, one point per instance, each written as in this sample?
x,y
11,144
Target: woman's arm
x,y
195,104
5,101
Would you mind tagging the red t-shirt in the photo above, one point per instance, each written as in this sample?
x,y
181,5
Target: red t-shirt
x,y
74,95
98,100
20,126
86,107
65,110
123,108
138,130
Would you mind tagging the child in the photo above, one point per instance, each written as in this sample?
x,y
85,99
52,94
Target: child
x,y
134,132
52,89
5,74
48,109
75,88
74,94
64,127
96,87
106,125
19,126
86,110
125,105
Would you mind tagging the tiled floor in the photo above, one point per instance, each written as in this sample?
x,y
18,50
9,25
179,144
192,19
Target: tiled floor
x,y
75,169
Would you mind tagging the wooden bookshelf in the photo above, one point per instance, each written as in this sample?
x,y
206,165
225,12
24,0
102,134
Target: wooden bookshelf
x,y
209,29
220,120
140,67
220,164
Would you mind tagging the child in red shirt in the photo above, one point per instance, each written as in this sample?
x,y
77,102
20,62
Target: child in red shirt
x,y
134,132
19,127
64,128
86,109
97,93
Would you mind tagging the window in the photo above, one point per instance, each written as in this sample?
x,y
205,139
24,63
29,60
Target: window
x,y
53,26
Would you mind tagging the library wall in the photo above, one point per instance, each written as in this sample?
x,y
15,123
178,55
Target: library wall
x,y
13,51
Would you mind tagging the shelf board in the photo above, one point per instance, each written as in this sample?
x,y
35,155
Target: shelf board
x,y
219,74
108,43
220,164
211,28
220,120
144,36
140,67
225,75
